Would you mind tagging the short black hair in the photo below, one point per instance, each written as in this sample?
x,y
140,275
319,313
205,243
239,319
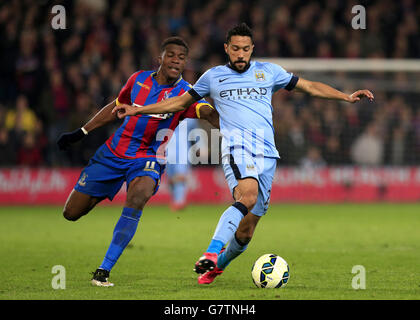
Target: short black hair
x,y
174,40
239,30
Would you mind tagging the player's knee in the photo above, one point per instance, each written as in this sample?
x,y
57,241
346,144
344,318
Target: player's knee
x,y
138,200
78,205
71,215
178,178
249,199
139,192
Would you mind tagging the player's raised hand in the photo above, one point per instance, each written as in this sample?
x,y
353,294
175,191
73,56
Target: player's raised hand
x,y
359,94
124,110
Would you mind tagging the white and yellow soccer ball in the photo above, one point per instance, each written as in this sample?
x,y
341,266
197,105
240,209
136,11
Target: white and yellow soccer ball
x,y
270,271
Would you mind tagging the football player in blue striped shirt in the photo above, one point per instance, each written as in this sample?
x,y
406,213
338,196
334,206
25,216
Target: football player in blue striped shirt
x,y
135,153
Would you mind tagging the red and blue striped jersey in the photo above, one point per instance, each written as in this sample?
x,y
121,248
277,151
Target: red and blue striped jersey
x,y
146,135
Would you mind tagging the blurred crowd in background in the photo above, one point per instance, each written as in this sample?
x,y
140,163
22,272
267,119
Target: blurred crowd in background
x,y
53,81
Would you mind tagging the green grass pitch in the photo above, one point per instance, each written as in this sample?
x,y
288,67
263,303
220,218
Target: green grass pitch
x,y
321,243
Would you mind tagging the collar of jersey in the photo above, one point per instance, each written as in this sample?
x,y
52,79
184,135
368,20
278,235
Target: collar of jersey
x,y
153,74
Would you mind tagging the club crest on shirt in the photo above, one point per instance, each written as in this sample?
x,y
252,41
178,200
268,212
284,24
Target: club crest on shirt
x,y
250,167
259,75
166,95
82,180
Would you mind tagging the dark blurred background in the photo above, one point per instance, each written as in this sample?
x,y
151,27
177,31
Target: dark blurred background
x,y
53,81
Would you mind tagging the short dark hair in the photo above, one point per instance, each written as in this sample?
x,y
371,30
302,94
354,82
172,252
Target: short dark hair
x,y
174,40
239,30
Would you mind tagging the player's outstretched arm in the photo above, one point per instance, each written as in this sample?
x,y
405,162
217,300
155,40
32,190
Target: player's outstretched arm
x,y
322,90
173,104
101,118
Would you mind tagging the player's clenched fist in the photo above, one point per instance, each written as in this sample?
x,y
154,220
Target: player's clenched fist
x,y
123,110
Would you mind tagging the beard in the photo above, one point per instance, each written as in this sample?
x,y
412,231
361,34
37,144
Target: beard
x,y
234,67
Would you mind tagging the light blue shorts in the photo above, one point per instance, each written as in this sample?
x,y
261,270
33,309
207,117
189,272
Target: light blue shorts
x,y
240,165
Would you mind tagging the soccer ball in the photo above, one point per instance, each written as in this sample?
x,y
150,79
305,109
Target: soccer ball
x,y
270,271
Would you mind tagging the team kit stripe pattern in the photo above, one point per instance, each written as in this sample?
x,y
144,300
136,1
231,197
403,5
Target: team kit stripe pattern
x,y
138,136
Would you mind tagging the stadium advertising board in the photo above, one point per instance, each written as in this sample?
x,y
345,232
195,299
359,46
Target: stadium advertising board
x,y
207,185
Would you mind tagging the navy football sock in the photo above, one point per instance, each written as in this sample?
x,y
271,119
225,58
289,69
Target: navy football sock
x,y
123,232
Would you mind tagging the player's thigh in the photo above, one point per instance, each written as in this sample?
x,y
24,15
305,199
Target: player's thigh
x,y
139,191
79,204
143,180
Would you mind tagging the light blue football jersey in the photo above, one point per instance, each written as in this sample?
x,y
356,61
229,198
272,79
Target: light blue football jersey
x,y
243,101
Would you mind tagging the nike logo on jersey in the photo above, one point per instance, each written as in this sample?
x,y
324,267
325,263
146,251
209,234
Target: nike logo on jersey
x,y
221,80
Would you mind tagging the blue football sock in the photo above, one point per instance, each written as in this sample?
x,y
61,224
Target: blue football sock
x,y
233,250
123,232
226,228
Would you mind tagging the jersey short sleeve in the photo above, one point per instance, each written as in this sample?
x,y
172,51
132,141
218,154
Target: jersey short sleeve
x,y
282,78
202,86
125,94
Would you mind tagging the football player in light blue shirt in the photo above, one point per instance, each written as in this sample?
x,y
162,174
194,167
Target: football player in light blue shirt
x,y
242,91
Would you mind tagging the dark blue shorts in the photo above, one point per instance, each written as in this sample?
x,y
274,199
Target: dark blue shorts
x,y
105,173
